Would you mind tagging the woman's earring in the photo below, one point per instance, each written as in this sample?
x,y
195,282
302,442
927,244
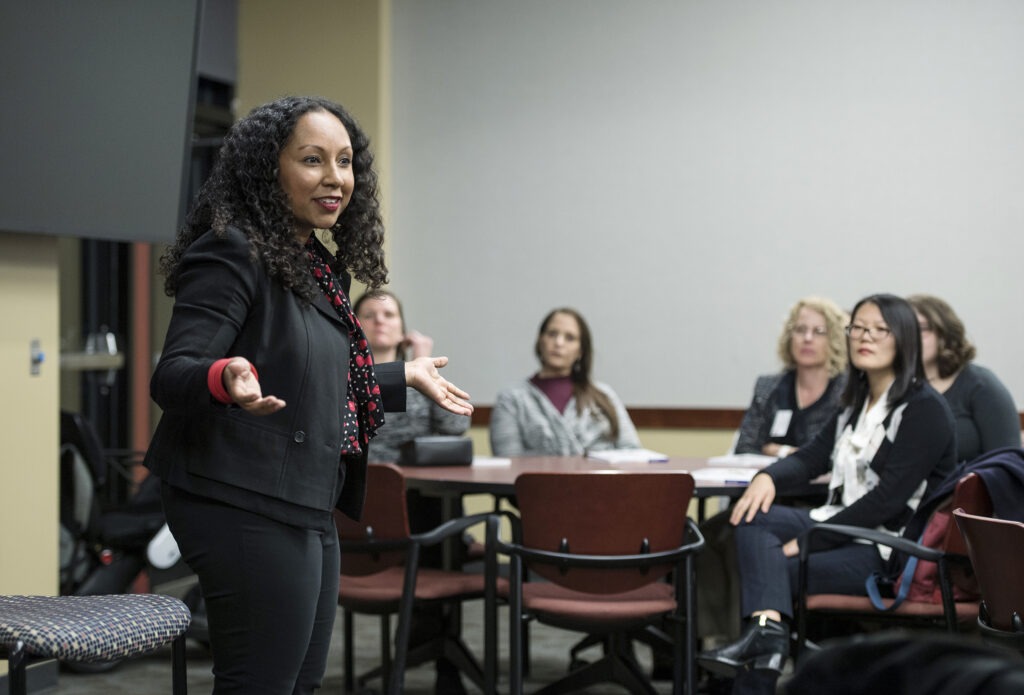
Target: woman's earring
x,y
577,367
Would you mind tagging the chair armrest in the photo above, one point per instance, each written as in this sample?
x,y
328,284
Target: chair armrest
x,y
899,543
570,559
694,529
904,545
449,529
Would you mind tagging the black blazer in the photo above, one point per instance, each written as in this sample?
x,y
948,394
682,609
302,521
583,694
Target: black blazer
x,y
920,445
226,306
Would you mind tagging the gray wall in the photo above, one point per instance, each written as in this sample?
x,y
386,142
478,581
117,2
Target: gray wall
x,y
681,172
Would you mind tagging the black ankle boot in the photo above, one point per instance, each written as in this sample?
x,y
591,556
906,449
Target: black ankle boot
x,y
763,645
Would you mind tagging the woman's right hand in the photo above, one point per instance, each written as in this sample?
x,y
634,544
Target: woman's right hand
x,y
758,497
244,388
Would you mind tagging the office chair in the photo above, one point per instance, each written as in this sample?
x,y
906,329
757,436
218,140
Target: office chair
x,y
90,629
996,548
952,569
602,545
381,575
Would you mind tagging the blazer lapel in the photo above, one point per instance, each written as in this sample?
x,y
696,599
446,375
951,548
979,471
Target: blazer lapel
x,y
323,305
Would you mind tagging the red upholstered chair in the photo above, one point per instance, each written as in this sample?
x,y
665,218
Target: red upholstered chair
x,y
996,548
602,546
953,569
380,575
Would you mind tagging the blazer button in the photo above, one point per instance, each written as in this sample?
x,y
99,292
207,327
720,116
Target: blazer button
x,y
300,436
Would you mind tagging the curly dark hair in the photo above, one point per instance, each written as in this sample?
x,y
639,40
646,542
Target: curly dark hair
x,y
243,191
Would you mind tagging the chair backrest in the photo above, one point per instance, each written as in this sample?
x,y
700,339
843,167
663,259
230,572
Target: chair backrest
x,y
603,513
996,549
972,496
385,517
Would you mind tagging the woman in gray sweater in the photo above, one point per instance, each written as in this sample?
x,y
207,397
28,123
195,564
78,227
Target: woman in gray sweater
x,y
559,411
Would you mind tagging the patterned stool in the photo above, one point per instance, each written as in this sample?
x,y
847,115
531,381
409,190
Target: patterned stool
x,y
90,629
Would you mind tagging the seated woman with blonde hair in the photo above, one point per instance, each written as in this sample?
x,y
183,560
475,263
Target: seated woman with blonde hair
x,y
790,407
986,417
787,411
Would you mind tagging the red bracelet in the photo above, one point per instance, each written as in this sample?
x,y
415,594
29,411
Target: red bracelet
x,y
215,379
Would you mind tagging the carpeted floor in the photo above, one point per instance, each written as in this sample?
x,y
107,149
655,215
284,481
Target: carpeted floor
x,y
150,675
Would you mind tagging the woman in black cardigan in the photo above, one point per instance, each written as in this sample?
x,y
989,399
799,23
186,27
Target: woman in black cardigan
x,y
269,392
892,443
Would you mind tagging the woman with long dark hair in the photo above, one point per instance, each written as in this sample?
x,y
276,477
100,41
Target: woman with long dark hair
x,y
889,446
270,395
560,410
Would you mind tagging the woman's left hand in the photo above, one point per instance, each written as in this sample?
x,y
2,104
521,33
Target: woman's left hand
x,y
791,548
421,374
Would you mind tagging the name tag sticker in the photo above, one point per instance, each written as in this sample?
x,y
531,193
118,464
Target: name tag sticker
x,y
780,425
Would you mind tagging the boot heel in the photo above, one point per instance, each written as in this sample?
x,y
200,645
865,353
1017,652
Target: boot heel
x,y
770,662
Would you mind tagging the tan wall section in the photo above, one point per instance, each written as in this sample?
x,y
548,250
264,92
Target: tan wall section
x,y
331,48
29,415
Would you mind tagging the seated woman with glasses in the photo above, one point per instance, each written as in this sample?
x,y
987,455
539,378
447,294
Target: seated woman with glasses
x,y
560,411
986,417
790,407
892,443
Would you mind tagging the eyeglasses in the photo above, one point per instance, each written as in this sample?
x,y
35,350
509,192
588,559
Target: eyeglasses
x,y
856,331
802,330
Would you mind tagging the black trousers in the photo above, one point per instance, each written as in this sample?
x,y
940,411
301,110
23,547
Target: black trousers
x,y
768,579
271,594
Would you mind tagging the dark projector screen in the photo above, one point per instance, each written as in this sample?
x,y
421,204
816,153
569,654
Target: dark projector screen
x,y
96,121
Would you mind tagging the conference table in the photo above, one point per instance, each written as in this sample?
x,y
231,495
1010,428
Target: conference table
x,y
497,476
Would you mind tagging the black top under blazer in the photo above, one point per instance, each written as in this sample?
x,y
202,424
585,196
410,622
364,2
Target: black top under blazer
x,y
289,461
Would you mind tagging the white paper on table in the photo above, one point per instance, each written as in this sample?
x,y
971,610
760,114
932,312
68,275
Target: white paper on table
x,y
628,456
491,462
726,476
735,460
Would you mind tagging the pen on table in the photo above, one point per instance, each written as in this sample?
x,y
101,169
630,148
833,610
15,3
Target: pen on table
x,y
736,482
